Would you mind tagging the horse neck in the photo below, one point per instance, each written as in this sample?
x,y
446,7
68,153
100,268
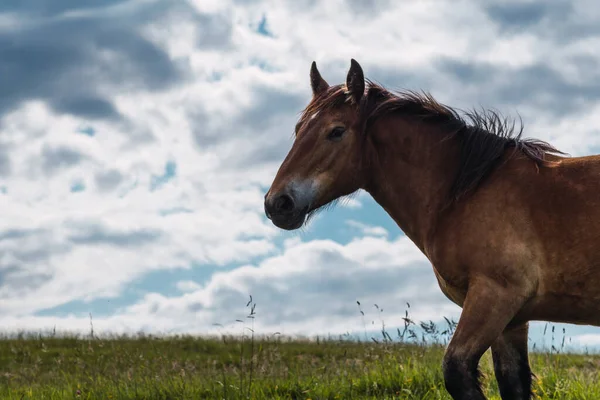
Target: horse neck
x,y
410,169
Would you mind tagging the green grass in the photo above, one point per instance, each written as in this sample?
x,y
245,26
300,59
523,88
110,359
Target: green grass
x,y
277,368
253,367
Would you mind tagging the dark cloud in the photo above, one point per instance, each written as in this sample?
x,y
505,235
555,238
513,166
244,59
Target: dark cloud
x,y
12,234
52,8
367,8
5,165
361,9
25,265
15,281
54,158
87,106
73,63
468,72
559,22
269,150
537,85
108,180
32,256
193,307
92,234
47,61
397,78
214,31
269,109
523,16
269,105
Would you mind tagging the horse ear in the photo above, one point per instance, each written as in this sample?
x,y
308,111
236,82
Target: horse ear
x,y
317,83
355,81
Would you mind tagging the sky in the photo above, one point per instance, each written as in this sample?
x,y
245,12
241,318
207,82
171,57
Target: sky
x,y
137,140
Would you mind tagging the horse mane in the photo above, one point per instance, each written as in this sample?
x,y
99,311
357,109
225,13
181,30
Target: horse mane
x,y
484,135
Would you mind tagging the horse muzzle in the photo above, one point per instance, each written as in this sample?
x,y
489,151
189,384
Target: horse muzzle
x,y
285,212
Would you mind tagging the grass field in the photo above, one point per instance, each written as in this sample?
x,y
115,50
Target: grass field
x,y
252,367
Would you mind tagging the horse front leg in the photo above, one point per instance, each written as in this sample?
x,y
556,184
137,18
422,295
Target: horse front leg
x,y
487,310
511,363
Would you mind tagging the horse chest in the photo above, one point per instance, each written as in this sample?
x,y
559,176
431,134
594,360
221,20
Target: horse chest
x,y
453,292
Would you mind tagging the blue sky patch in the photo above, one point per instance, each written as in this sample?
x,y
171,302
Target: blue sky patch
x,y
77,187
162,281
263,29
332,223
88,131
100,307
175,210
170,172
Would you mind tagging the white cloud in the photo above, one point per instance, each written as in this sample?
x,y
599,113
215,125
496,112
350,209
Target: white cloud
x,y
188,286
309,288
367,230
587,340
221,103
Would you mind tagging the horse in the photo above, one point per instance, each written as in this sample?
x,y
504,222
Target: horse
x,y
510,225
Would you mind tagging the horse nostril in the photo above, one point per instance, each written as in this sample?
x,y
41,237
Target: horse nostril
x,y
284,204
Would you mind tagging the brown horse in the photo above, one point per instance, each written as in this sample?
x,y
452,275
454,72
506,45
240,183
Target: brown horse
x,y
511,227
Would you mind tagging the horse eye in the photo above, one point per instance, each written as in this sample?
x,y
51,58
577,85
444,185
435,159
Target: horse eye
x,y
336,133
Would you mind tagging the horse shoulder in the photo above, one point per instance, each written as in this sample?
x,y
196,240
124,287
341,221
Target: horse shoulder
x,y
488,235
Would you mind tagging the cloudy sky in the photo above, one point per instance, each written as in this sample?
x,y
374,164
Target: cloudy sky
x,y
137,139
